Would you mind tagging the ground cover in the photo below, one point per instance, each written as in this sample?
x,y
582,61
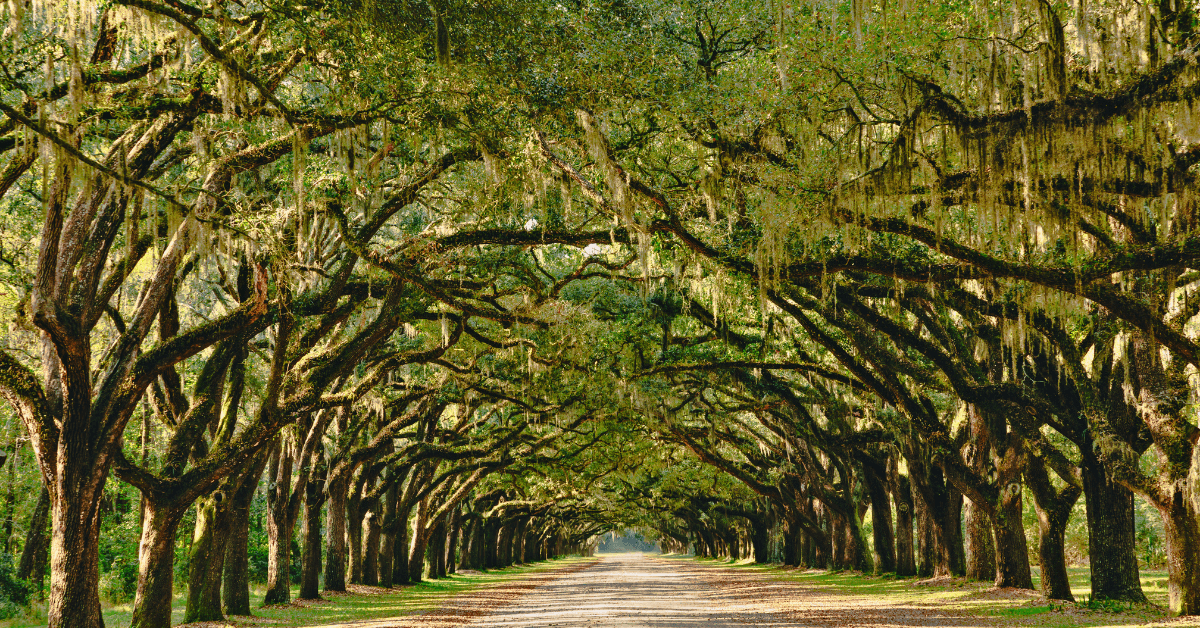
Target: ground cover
x,y
435,602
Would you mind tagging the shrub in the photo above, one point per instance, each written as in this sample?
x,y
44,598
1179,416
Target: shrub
x,y
14,592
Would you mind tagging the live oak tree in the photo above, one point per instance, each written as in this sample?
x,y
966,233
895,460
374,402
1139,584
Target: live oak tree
x,y
445,270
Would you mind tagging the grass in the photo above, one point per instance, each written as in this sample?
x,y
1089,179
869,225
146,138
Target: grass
x,y
980,599
340,608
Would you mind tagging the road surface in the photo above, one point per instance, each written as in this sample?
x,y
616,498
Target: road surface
x,y
626,590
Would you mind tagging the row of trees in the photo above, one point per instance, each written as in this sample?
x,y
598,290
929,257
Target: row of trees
x,y
442,279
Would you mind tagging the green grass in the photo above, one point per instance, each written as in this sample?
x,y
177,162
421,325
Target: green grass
x,y
341,608
960,596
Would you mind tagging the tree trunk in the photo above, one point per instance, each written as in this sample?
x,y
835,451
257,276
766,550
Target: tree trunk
x,y
761,539
504,545
281,524
354,529
310,554
1112,544
235,581
35,541
952,535
1181,523
400,574
435,550
279,558
370,551
518,541
791,540
207,560
981,549
156,568
416,560
387,542
1053,511
452,545
335,538
905,563
1012,549
881,521
74,547
928,553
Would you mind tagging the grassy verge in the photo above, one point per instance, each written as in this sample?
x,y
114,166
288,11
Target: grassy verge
x,y
368,603
959,596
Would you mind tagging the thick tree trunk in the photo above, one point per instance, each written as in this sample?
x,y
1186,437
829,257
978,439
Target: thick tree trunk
x,y
952,534
981,547
400,573
435,550
370,551
207,560
156,568
518,541
1053,511
905,562
235,582
1112,544
478,543
837,538
453,543
354,531
74,549
791,541
927,545
420,537
279,558
1181,523
760,540
387,538
504,545
1012,549
881,521
335,538
490,546
466,557
310,552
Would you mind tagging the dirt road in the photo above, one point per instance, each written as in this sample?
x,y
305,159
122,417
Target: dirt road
x,y
633,590
625,590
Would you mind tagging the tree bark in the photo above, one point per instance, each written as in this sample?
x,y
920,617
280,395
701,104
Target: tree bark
x,y
310,553
387,532
416,560
207,560
400,572
335,539
1053,511
453,542
156,567
235,581
1112,543
905,562
28,567
981,547
1181,523
881,520
370,551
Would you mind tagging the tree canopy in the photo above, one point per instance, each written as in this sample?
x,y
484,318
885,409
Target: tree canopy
x,y
459,282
